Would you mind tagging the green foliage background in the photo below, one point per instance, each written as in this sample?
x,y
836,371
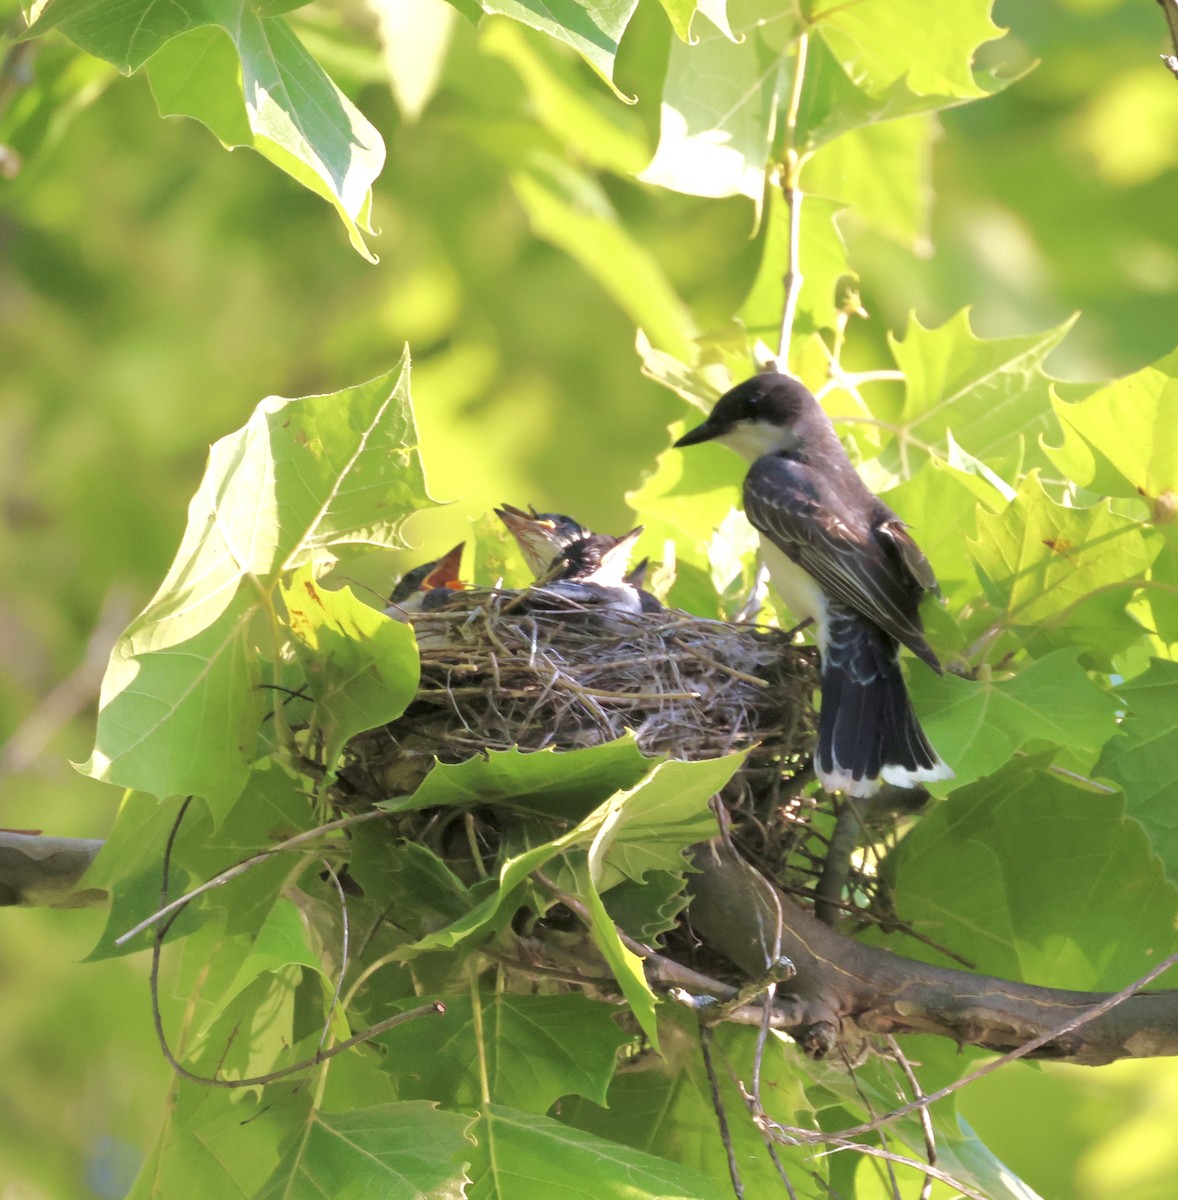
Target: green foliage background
x,y
153,289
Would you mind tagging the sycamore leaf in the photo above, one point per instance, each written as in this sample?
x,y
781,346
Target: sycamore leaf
x,y
180,705
522,1154
414,37
593,28
990,394
402,1151
1123,441
240,69
1060,576
719,107
562,784
977,725
362,668
863,64
536,1050
1033,877
1143,758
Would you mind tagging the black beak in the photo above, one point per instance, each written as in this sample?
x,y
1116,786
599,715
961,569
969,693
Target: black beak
x,y
701,433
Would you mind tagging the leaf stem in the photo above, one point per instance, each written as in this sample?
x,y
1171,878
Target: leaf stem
x,y
792,163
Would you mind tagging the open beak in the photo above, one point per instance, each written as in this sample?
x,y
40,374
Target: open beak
x,y
445,573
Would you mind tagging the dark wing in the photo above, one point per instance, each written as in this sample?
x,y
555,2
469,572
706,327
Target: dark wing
x,y
873,567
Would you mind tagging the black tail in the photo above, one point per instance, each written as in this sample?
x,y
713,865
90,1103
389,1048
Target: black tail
x,y
867,730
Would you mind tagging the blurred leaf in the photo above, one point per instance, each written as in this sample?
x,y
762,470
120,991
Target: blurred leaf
x,y
592,27
301,477
977,725
362,667
414,36
568,208
400,1151
536,1050
991,394
719,106
522,1154
1142,759
1060,576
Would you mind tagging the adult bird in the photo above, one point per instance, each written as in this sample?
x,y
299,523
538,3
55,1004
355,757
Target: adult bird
x,y
839,555
545,537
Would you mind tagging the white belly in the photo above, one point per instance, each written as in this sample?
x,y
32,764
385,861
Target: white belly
x,y
797,588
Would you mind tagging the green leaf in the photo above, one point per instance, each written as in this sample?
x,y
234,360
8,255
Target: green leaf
x,y
1123,440
977,725
1143,758
856,78
562,784
406,1151
1060,576
362,667
592,27
719,106
521,1154
567,206
991,395
594,127
260,88
1035,878
180,705
536,1051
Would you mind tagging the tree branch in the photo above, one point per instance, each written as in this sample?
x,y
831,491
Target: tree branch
x,y
841,983
1170,9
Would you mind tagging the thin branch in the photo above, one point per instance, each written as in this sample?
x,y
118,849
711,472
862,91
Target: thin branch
x,y
926,1120
705,1046
792,168
1170,9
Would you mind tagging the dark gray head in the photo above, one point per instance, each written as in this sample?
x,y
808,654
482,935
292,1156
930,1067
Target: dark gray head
x,y
597,557
768,413
542,537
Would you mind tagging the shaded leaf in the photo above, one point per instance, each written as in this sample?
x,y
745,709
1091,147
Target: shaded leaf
x,y
409,1151
536,1050
977,725
1143,758
521,1154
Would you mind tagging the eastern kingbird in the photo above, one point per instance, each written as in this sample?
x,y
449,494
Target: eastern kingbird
x,y
428,586
544,537
591,573
839,555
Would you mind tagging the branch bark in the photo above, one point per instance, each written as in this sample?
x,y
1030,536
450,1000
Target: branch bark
x,y
842,985
45,871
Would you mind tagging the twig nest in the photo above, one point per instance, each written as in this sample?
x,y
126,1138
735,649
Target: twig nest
x,y
505,669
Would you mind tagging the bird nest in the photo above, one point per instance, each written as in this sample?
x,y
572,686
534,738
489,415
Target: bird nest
x,y
499,672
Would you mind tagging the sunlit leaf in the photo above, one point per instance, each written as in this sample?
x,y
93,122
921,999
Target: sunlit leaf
x,y
414,37
302,477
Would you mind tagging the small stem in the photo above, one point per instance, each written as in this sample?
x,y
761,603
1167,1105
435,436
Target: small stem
x,y
792,169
